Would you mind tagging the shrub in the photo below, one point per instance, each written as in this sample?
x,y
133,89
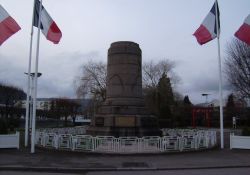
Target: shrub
x,y
246,131
3,126
13,123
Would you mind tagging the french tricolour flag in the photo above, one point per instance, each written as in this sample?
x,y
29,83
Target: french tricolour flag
x,y
48,25
244,31
208,29
8,26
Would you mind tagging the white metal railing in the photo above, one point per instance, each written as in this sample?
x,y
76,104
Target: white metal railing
x,y
174,142
239,142
10,140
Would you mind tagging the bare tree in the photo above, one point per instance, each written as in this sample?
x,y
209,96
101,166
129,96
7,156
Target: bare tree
x,y
238,67
92,81
64,107
153,71
73,109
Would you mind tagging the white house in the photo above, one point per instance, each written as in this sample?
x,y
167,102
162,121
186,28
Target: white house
x,y
41,103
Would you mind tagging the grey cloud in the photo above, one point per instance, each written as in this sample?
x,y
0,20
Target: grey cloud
x,y
58,73
11,72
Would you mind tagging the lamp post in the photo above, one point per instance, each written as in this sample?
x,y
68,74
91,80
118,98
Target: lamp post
x,y
28,121
206,95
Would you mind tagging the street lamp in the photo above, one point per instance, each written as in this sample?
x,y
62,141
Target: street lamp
x,y
206,95
33,74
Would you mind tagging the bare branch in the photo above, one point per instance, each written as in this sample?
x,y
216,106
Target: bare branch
x,y
153,71
92,81
238,67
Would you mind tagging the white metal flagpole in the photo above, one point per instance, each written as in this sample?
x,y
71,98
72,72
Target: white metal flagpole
x,y
28,86
220,78
33,131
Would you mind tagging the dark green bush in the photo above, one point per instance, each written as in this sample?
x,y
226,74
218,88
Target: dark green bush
x,y
3,126
246,131
13,123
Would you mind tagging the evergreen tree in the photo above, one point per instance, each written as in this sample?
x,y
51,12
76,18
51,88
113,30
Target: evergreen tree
x,y
230,101
186,111
230,108
186,100
165,97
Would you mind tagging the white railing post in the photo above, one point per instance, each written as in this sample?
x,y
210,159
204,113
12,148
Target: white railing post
x,y
231,138
93,139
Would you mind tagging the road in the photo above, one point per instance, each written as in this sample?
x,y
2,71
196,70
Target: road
x,y
220,171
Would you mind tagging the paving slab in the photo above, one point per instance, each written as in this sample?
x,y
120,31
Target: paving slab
x,y
64,161
50,160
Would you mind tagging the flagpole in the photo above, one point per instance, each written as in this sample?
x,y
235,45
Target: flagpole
x,y
27,116
35,84
220,79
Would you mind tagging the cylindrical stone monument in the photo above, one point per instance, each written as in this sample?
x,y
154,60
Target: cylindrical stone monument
x,y
124,85
124,113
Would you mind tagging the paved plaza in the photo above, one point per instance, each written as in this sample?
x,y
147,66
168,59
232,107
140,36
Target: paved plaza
x,y
62,161
76,162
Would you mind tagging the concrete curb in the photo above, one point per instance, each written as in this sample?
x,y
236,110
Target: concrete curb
x,y
216,147
81,170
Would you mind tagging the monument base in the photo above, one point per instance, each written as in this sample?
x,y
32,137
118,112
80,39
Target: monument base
x,y
123,113
124,126
123,132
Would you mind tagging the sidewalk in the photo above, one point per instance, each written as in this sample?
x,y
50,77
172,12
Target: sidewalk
x,y
47,160
63,161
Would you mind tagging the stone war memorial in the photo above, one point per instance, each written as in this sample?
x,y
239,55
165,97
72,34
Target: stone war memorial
x,y
122,124
124,113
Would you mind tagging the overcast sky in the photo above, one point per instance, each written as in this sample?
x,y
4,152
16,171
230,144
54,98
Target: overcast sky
x,y
162,28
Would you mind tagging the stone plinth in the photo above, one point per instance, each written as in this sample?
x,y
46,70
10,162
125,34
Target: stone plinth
x,y
123,113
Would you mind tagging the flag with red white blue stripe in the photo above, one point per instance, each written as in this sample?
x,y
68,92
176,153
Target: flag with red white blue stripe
x,y
208,29
244,31
8,26
48,26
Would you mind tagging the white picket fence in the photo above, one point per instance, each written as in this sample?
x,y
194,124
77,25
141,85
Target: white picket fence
x,y
109,144
10,140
